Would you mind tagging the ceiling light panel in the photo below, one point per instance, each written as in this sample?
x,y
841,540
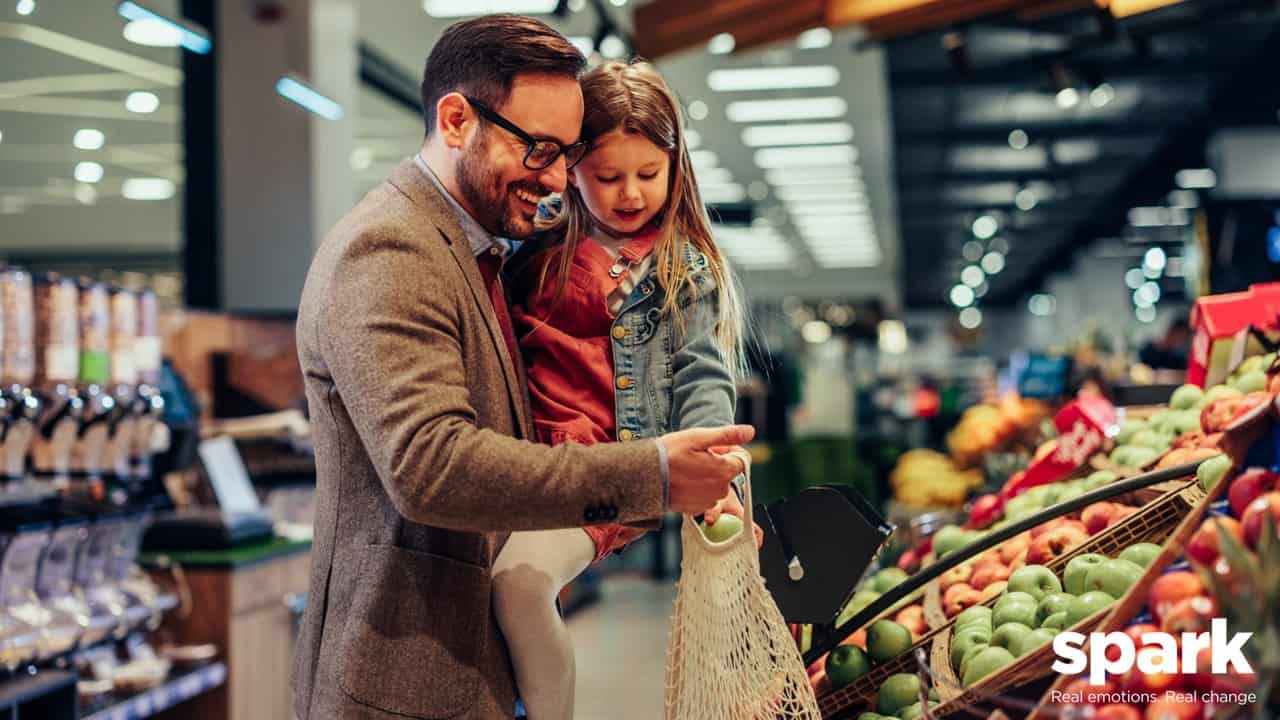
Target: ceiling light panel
x,y
797,134
773,78
762,111
808,156
464,8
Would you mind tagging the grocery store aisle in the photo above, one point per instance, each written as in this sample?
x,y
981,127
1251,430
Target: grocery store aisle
x,y
621,644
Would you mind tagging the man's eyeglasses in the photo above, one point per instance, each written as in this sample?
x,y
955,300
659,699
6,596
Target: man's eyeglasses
x,y
540,153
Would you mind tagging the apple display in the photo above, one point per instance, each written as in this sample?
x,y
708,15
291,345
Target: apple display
x,y
898,691
1052,604
1113,577
1254,519
1204,548
1171,588
1054,543
987,662
845,664
1036,581
1084,606
1033,641
1077,568
886,640
1142,554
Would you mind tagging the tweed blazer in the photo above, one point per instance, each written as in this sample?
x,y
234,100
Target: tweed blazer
x,y
418,414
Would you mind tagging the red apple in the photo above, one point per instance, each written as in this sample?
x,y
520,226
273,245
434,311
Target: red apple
x,y
818,665
820,683
1170,589
1136,681
1229,579
990,573
1203,546
1014,546
909,561
1058,522
994,590
912,618
1246,488
1268,504
1189,615
957,574
958,597
1102,515
984,511
1217,415
1055,542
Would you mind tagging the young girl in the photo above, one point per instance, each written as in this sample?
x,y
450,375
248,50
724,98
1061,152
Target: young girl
x,y
630,326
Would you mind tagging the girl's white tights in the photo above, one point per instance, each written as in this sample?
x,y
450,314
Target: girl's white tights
x,y
528,575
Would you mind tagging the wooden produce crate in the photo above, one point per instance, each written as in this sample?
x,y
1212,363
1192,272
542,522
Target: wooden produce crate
x,y
1158,522
1196,503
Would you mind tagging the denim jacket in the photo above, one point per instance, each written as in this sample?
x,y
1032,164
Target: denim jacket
x,y
680,380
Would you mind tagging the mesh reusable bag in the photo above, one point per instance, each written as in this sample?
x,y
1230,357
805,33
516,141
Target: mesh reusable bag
x,y
730,654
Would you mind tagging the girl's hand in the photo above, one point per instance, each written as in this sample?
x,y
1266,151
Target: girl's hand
x,y
733,506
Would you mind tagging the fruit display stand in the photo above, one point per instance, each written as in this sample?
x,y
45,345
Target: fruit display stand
x,y
1163,521
1157,522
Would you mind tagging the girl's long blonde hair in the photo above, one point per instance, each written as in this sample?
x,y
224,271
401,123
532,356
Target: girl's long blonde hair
x,y
634,98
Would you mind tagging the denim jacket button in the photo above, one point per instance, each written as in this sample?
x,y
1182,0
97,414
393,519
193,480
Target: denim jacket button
x,y
623,382
626,435
619,332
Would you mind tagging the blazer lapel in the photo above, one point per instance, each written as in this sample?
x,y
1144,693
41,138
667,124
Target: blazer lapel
x,y
408,179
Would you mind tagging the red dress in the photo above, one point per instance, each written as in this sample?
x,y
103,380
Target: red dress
x,y
568,351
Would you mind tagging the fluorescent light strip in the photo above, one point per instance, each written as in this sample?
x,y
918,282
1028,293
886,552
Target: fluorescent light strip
x,y
793,194
773,78
148,189
714,176
731,193
194,38
77,107
703,159
91,53
811,155
797,134
843,175
298,92
58,84
755,111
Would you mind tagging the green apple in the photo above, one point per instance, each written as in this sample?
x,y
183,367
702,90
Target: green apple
x,y
1128,429
985,663
1252,381
856,604
1052,604
1086,605
1011,597
1211,471
1070,491
1142,554
1186,397
969,655
896,692
977,615
1034,580
1101,478
1056,621
1021,507
948,539
725,527
888,578
1137,456
913,711
1113,577
933,695
1041,495
1019,612
1185,421
1079,566
1009,635
846,664
966,638
1157,439
886,640
1032,641
1218,392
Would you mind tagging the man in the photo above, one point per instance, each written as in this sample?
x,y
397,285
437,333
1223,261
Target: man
x,y
418,399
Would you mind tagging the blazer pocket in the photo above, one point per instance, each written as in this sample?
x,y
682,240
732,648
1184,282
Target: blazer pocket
x,y
415,633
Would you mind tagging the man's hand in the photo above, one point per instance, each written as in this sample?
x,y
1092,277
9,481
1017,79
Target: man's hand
x,y
731,505
699,475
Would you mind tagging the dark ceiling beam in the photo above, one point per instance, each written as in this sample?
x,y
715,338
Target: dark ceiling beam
x,y
1034,73
1251,95
934,176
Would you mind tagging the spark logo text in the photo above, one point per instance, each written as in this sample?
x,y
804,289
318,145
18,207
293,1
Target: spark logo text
x,y
1159,653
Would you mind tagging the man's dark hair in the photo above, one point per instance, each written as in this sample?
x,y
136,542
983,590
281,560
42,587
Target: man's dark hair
x,y
481,57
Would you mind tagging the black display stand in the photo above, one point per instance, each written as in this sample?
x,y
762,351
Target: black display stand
x,y
50,694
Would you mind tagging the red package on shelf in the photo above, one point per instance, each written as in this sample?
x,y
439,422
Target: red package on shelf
x,y
1082,426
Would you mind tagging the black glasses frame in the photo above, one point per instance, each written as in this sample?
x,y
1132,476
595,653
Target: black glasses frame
x,y
573,153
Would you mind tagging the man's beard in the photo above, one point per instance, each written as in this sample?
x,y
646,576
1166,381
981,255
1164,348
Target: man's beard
x,y
490,201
